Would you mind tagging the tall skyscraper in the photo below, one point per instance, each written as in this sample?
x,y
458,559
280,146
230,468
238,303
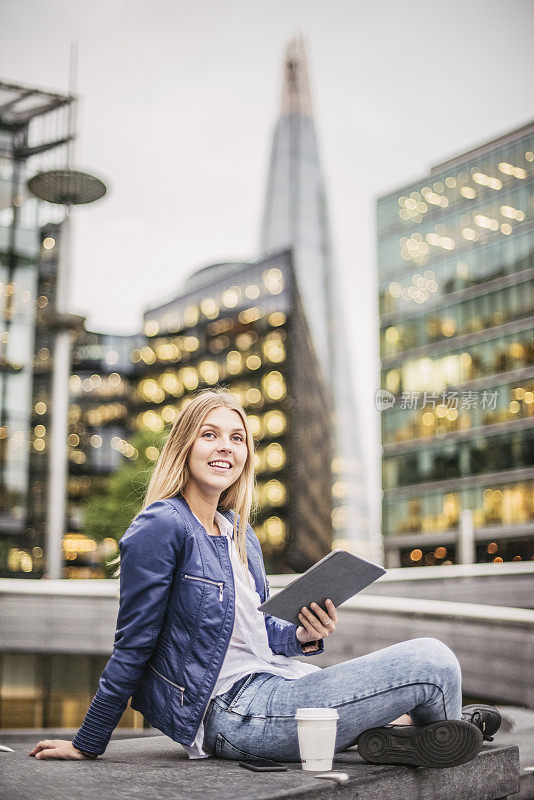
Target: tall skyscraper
x,y
296,217
456,276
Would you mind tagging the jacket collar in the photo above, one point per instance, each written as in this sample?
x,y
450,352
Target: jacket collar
x,y
253,557
179,498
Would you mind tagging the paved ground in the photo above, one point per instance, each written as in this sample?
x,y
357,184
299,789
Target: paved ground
x,y
518,728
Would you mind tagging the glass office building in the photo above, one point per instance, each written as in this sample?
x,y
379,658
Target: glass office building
x,y
238,325
98,443
33,137
242,326
456,282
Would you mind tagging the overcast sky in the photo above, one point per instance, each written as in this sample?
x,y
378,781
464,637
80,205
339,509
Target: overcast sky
x,y
178,105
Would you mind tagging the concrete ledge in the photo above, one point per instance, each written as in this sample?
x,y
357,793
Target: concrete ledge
x,y
157,768
495,646
498,637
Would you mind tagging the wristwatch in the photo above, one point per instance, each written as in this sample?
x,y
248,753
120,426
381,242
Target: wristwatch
x,y
310,647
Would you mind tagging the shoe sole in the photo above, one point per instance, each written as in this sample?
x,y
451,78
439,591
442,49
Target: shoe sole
x,y
447,743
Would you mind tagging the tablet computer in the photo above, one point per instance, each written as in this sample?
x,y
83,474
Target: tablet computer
x,y
337,576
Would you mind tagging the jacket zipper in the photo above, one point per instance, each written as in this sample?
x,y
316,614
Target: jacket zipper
x,y
207,580
181,688
220,597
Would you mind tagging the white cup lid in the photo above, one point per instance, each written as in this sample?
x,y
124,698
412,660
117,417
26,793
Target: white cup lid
x,y
316,713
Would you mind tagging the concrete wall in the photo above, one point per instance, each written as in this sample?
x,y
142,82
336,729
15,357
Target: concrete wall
x,y
492,584
495,645
504,584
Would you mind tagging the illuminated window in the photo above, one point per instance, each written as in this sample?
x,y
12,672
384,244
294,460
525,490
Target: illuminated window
x,y
171,384
245,341
191,344
152,421
273,280
230,298
253,362
151,327
209,308
275,455
276,318
152,391
252,291
275,492
254,424
189,378
191,315
274,530
234,362
274,350
273,385
275,422
253,395
251,314
148,355
169,413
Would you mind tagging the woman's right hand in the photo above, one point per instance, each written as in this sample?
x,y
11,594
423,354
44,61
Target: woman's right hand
x,y
58,748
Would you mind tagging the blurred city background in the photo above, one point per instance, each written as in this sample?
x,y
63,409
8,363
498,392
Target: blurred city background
x,y
200,198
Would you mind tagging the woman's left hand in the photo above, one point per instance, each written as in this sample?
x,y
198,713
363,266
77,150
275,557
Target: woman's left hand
x,y
318,624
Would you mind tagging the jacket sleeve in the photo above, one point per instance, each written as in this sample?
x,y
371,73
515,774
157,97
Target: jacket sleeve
x,y
282,635
149,551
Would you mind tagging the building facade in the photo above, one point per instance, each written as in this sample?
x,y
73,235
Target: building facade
x,y
101,385
456,283
33,137
242,326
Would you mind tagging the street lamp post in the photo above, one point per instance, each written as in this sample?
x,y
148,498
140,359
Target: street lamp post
x,y
69,188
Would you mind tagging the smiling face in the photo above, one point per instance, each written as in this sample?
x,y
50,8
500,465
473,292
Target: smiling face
x,y
219,452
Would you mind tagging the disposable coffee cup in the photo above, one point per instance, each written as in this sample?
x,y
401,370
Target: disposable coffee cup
x,y
317,728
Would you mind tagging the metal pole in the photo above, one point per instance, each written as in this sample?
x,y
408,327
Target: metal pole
x,y
466,538
59,428
58,468
73,77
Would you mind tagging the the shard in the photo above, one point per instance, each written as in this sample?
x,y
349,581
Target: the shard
x,y
296,216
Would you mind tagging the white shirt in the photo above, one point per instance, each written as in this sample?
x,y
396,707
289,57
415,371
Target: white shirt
x,y
249,649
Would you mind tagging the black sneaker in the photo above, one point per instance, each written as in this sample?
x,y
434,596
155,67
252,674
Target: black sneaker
x,y
440,744
484,717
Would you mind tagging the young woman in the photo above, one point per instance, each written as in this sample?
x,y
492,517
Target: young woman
x,y
209,670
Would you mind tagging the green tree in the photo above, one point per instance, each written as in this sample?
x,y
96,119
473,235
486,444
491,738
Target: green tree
x,y
113,503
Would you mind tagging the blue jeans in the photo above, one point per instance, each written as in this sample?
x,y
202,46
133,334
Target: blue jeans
x,y
256,716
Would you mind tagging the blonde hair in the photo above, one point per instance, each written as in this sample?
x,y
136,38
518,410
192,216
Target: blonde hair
x,y
171,472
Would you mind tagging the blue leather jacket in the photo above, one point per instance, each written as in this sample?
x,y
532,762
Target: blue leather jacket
x,y
175,621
